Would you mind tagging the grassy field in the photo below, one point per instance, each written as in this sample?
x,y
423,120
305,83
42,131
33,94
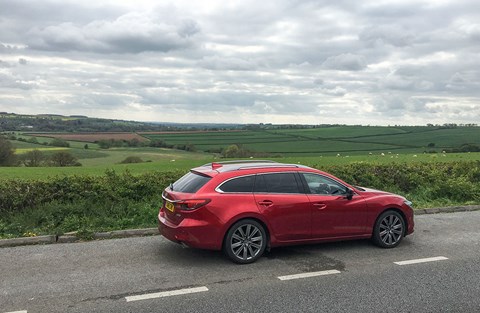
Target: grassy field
x,y
354,140
311,146
167,160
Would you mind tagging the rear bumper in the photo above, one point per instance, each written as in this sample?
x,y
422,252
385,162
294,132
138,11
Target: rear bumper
x,y
193,233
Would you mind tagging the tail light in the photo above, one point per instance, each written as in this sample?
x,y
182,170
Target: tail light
x,y
190,204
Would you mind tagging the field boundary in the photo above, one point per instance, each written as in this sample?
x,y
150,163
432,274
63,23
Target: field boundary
x,y
73,236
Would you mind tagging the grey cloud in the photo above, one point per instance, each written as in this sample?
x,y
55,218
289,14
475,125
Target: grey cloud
x,y
130,33
8,48
395,35
227,63
11,82
379,61
345,62
22,61
4,64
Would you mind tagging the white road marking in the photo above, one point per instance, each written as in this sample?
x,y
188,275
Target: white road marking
x,y
24,311
408,262
306,275
166,294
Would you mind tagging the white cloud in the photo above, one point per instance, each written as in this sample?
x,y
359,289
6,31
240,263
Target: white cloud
x,y
382,62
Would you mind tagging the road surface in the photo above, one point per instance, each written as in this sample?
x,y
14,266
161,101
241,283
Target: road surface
x,y
151,274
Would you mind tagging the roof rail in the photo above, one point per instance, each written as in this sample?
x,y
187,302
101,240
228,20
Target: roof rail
x,y
240,162
267,165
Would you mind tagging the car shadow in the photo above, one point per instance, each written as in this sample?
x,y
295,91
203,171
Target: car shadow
x,y
304,258
313,257
175,254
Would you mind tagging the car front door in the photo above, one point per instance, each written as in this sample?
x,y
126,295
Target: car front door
x,y
333,213
281,199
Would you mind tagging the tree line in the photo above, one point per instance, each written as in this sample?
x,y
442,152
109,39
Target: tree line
x,y
35,157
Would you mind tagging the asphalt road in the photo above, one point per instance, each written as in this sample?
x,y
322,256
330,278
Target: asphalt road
x,y
115,275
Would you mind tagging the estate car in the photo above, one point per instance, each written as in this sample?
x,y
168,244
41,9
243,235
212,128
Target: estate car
x,y
245,207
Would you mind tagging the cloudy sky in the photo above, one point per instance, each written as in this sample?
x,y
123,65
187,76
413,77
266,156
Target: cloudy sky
x,y
281,61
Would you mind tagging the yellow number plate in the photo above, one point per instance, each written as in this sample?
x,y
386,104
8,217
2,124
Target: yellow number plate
x,y
169,206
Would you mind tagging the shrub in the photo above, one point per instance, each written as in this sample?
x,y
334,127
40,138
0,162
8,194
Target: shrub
x,y
7,152
33,158
131,159
57,142
63,158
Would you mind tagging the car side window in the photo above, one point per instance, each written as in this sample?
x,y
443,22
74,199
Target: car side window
x,y
277,183
239,184
321,185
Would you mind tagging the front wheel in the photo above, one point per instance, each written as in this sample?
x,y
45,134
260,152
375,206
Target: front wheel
x,y
389,229
245,241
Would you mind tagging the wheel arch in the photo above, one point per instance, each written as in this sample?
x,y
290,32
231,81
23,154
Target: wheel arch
x,y
254,218
399,211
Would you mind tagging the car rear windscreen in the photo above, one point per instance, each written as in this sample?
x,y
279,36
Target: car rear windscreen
x,y
190,183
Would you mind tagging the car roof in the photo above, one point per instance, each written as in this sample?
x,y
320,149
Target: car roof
x,y
215,168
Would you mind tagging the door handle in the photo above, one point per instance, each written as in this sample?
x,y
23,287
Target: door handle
x,y
265,202
320,206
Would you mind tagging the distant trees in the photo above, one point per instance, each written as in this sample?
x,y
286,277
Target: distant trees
x,y
232,151
75,123
132,159
33,140
64,158
237,151
33,158
188,147
466,147
159,144
109,143
7,152
37,158
58,142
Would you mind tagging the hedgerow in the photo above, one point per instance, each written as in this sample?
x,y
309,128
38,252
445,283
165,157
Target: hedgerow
x,y
86,203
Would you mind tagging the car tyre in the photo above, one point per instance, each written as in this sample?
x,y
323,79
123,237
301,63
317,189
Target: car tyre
x,y
389,229
245,241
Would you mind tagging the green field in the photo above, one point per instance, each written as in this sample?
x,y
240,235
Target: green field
x,y
311,146
167,160
354,140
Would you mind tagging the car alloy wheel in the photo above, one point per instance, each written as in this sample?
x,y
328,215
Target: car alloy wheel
x,y
389,229
245,241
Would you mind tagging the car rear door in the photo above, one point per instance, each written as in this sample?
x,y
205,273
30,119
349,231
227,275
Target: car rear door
x,y
281,199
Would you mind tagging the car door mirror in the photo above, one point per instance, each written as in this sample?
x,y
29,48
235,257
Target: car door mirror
x,y
348,193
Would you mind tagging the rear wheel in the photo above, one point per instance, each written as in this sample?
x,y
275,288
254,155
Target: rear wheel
x,y
389,229
245,241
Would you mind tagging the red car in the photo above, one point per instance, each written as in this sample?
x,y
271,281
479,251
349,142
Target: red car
x,y
243,207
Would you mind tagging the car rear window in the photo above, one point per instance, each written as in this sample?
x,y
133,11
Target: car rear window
x,y
190,182
239,184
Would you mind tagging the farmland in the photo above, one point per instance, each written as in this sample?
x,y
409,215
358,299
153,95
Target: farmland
x,y
325,145
353,140
104,194
91,137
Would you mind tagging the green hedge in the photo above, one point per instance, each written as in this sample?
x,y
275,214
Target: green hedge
x,y
120,201
427,184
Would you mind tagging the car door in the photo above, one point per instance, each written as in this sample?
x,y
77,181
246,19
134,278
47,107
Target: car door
x,y
281,199
333,213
